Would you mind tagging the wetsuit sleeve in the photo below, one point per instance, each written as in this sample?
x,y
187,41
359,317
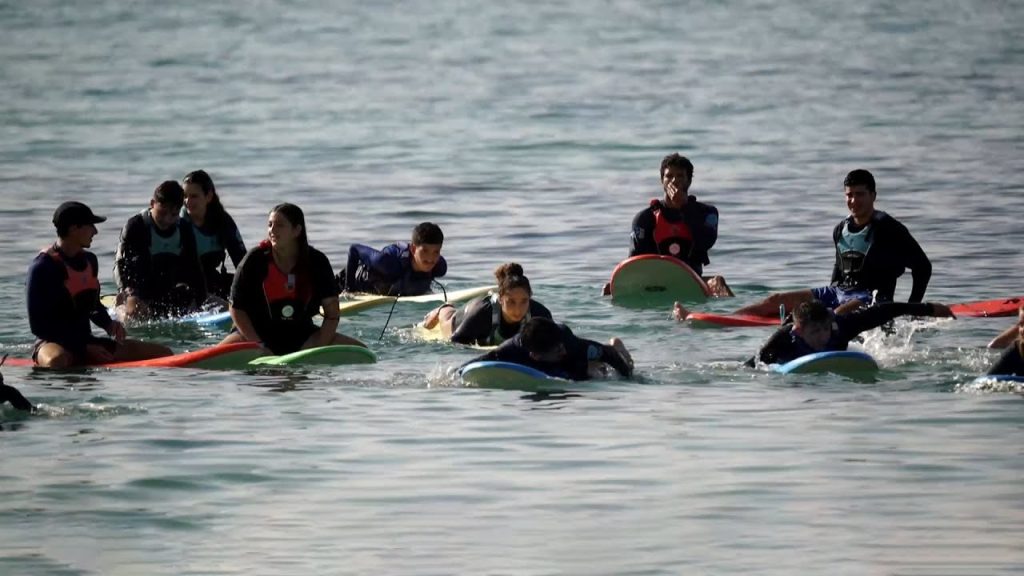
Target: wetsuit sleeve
x,y
580,352
852,324
246,289
1010,361
475,327
918,262
232,240
324,284
837,266
642,235
387,262
509,351
132,264
99,316
43,288
192,268
9,394
709,230
538,310
777,349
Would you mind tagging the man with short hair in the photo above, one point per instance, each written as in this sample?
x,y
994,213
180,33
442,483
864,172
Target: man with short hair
x,y
399,269
63,296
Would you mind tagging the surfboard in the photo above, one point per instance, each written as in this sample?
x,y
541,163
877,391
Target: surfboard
x,y
220,319
652,280
741,320
837,362
989,308
334,355
226,357
357,302
435,335
509,376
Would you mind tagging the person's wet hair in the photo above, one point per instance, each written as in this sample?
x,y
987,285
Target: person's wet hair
x,y
169,193
510,276
427,233
541,336
214,210
860,177
676,161
813,312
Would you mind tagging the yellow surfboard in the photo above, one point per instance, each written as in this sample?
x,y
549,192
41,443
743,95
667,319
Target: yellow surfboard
x,y
352,303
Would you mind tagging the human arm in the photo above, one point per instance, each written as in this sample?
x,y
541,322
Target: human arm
x,y
707,225
100,316
1010,362
43,287
247,294
12,395
642,236
131,263
1006,337
475,326
231,238
918,262
325,294
872,317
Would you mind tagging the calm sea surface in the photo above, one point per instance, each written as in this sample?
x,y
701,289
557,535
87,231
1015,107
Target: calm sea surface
x,y
532,132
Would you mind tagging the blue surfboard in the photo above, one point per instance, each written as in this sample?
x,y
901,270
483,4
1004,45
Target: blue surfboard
x,y
509,376
837,362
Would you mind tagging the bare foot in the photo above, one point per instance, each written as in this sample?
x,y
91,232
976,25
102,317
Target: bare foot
x,y
621,349
678,312
718,287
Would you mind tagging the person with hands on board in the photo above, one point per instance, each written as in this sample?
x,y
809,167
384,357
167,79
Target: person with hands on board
x,y
63,298
281,285
400,269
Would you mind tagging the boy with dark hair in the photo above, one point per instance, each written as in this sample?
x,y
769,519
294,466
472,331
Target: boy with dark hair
x,y
399,269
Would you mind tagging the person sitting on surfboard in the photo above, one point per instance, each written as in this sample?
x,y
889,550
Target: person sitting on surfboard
x,y
816,328
281,285
1012,359
677,225
63,297
553,349
156,267
872,250
400,269
12,395
492,319
214,230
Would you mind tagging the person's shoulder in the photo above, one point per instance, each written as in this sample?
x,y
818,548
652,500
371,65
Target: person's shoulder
x,y
42,261
539,309
317,257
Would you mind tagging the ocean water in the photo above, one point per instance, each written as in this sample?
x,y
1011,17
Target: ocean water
x,y
531,132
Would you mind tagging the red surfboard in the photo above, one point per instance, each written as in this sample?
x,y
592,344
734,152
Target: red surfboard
x,y
214,358
989,308
736,320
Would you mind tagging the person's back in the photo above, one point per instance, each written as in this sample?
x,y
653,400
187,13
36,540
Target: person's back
x,y
400,269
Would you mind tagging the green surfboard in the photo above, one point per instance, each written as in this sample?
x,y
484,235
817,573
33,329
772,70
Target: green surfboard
x,y
651,280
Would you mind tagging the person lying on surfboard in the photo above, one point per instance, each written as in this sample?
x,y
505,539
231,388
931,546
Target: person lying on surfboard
x,y
1012,359
677,225
553,349
214,230
12,395
400,269
63,297
156,266
872,250
492,319
281,285
816,328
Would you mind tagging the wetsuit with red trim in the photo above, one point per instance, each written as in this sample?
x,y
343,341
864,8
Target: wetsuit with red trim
x,y
687,233
281,306
63,296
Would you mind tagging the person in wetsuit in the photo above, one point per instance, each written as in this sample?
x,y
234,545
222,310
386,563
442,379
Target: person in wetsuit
x,y
281,285
63,297
816,328
872,250
1011,361
214,230
400,269
156,266
12,395
677,225
492,319
553,349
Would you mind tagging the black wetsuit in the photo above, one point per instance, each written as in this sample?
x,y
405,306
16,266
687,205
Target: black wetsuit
x,y
213,239
10,394
700,219
474,324
784,345
891,251
574,365
388,271
167,276
1010,361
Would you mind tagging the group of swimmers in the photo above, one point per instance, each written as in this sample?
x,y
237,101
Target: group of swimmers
x,y
171,260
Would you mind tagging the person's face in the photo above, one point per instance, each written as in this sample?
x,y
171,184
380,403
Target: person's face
x,y
860,201
82,234
425,256
281,232
676,183
553,356
165,217
514,305
196,200
815,334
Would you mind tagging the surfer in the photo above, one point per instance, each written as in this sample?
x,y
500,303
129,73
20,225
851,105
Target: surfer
x,y
816,328
63,297
12,395
677,225
400,269
156,267
872,250
214,230
494,318
1012,359
280,285
553,349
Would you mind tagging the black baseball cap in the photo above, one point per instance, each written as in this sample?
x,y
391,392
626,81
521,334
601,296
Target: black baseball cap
x,y
75,213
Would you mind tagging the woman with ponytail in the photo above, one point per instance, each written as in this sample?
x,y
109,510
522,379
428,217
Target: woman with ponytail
x,y
492,319
281,285
214,229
